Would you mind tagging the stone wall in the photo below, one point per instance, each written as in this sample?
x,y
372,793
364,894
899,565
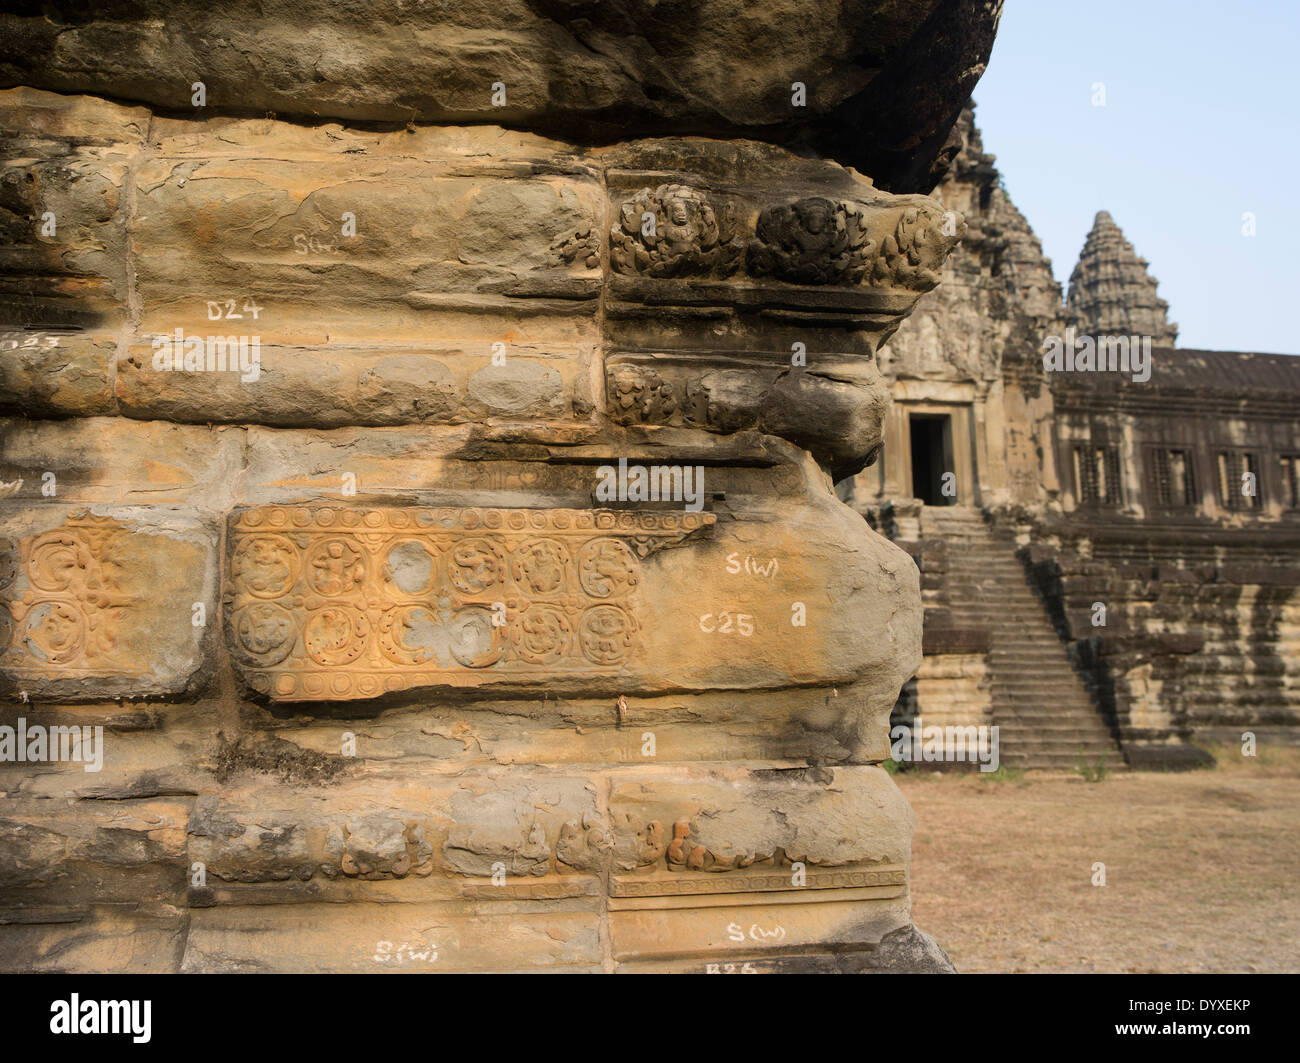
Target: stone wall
x,y
972,350
387,678
1199,577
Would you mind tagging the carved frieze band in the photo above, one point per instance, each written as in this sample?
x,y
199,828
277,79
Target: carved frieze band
x,y
62,601
678,231
329,602
697,885
587,857
688,885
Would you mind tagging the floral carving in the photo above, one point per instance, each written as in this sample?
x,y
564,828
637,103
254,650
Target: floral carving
x,y
265,633
55,632
476,565
543,634
357,603
266,564
336,567
912,256
541,566
607,568
581,247
335,635
606,634
639,396
583,844
68,618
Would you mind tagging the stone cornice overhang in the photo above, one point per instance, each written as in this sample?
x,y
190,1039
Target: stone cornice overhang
x,y
891,76
865,306
1160,531
1175,402
1220,383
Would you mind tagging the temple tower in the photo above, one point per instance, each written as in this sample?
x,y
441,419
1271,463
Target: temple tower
x,y
1113,293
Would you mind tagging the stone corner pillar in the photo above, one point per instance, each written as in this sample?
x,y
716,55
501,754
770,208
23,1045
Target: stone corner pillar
x,y
535,634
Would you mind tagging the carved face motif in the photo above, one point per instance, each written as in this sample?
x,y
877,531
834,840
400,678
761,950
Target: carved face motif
x,y
816,216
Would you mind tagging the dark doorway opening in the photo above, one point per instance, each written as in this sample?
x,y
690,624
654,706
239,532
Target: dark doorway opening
x,y
931,458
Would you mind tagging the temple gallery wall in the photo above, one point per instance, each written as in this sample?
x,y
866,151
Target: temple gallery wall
x,y
1111,568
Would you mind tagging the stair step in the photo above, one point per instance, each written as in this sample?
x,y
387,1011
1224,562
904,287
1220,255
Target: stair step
x,y
1044,712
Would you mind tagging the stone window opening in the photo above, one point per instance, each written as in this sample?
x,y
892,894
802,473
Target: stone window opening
x,y
1233,467
1097,476
1173,484
1291,481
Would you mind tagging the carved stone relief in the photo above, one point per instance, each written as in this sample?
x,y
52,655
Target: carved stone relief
x,y
674,231
677,231
812,241
346,603
64,617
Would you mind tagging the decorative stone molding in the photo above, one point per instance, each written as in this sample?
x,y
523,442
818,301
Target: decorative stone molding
x,y
678,231
811,241
82,603
68,617
912,255
675,231
330,603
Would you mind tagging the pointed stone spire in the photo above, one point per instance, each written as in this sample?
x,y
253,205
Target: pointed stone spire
x,y
1111,292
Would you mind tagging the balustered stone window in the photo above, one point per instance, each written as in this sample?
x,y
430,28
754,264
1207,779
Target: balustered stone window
x,y
1238,479
1173,482
1097,476
1291,480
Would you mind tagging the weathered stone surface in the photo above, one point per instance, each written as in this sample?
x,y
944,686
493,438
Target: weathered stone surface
x,y
104,602
91,876
105,939
780,858
379,386
56,373
102,460
64,202
389,939
328,277
341,445
883,82
911,951
329,603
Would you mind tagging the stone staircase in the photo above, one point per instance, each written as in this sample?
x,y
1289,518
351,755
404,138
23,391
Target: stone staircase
x,y
1045,716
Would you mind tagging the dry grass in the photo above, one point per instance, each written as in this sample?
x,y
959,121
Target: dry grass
x,y
1202,868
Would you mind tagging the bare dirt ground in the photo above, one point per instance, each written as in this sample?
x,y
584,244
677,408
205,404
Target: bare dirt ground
x,y
1202,868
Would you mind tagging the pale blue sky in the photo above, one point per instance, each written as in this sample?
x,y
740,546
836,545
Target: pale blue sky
x,y
1201,124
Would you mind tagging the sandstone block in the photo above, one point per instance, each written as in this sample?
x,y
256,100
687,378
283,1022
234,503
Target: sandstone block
x,y
710,864
105,602
882,82
102,460
56,373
